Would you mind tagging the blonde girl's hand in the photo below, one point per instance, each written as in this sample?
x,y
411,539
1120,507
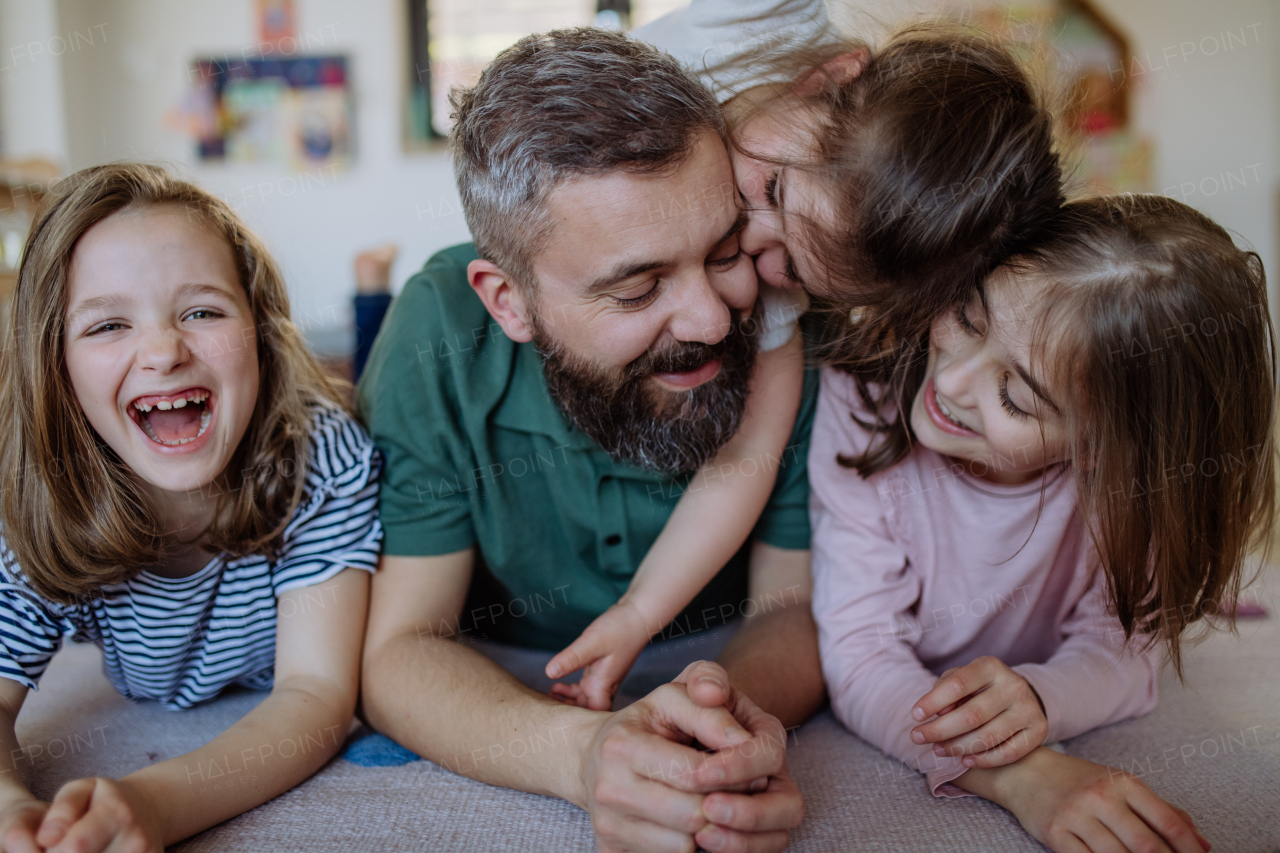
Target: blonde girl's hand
x,y
607,649
90,815
18,825
985,712
1075,806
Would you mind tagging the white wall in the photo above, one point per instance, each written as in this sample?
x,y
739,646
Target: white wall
x,y
117,98
31,47
1211,105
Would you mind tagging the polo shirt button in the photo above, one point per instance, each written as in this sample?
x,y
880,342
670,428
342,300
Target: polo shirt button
x,y
607,478
612,539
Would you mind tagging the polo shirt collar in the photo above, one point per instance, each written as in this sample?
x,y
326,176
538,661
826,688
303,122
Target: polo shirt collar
x,y
527,405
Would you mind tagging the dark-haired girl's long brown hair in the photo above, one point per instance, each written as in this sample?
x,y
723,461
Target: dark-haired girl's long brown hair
x,y
72,513
940,161
1157,328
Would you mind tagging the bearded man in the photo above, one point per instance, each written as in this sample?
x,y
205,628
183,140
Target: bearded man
x,y
543,398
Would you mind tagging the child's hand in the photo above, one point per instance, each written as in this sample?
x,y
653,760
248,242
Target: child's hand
x,y
90,815
18,825
607,649
985,711
1082,807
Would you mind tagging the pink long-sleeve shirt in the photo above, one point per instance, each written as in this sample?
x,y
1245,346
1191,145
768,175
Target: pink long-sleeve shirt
x,y
923,567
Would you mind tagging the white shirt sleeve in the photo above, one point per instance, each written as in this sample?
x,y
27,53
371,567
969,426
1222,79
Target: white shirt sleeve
x,y
723,41
780,317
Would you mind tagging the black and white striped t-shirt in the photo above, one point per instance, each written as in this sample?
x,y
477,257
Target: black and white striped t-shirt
x,y
181,641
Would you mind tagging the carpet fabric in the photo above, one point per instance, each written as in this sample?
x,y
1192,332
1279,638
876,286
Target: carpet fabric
x,y
1211,747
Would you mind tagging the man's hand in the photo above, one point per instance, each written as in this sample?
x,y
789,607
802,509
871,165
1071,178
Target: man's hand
x,y
607,649
645,784
746,821
1075,806
985,711
90,815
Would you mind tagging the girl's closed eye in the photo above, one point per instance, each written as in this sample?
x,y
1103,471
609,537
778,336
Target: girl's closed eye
x,y
771,189
1006,402
962,316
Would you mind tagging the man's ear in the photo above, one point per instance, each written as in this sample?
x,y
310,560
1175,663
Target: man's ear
x,y
505,302
837,72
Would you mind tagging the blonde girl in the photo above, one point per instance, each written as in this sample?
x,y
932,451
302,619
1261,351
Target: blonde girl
x,y
184,488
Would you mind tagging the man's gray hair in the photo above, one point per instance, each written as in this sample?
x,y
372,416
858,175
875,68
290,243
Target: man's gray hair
x,y
565,104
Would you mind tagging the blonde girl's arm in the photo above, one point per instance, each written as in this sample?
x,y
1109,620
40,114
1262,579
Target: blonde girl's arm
x,y
711,522
276,746
20,812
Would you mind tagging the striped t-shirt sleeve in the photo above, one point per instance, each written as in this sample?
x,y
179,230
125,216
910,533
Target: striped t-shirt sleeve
x,y
337,526
30,633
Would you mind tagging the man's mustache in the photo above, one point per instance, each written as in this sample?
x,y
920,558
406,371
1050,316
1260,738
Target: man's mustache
x,y
679,358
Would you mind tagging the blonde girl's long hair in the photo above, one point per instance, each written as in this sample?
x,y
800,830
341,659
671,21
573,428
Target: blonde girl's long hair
x,y
73,513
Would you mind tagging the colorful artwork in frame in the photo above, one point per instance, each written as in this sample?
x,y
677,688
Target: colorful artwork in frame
x,y
1086,58
296,110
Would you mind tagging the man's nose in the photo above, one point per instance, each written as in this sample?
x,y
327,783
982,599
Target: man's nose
x,y
163,348
701,315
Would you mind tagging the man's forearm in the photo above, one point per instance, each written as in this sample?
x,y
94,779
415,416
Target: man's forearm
x,y
454,706
774,660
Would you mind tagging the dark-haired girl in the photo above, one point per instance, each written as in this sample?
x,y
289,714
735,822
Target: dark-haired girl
x,y
1069,479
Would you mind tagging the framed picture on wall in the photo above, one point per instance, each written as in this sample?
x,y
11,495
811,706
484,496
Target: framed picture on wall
x,y
296,110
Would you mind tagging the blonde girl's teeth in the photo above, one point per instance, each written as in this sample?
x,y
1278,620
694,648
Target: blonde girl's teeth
x,y
179,404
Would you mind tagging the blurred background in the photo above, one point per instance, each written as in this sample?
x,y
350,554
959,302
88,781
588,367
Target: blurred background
x,y
322,121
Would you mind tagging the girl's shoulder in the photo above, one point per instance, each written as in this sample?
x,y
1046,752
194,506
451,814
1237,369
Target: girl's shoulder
x,y
16,587
340,454
846,415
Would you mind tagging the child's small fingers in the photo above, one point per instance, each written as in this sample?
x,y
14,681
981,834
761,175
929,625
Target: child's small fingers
x,y
69,804
966,729
567,692
1006,753
948,691
566,662
95,831
960,721
21,840
599,696
20,835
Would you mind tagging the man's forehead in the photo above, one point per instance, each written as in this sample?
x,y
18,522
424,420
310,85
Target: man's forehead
x,y
681,210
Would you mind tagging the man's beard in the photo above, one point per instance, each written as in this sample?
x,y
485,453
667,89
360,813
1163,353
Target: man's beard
x,y
650,427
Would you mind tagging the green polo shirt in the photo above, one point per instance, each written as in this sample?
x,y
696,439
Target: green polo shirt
x,y
477,454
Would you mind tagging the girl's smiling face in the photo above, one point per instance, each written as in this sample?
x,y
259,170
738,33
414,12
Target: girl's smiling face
x,y
981,400
778,198
161,345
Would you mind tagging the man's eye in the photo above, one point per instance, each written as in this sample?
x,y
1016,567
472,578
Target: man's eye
x,y
733,245
635,301
725,263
